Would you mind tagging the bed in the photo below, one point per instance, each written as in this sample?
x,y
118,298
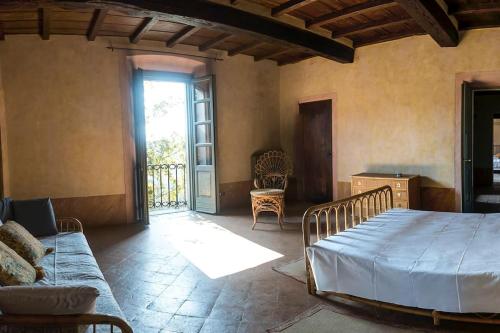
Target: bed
x,y
441,265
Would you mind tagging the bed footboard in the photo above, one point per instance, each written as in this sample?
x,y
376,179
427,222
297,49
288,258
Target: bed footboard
x,y
69,322
333,217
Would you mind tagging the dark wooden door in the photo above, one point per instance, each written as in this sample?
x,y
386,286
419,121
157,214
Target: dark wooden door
x,y
467,155
316,151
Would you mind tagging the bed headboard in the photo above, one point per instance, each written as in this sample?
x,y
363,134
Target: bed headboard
x,y
333,217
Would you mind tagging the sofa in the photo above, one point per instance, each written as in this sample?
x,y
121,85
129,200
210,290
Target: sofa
x,y
70,264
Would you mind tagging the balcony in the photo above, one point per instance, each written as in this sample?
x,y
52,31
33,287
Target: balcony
x,y
167,186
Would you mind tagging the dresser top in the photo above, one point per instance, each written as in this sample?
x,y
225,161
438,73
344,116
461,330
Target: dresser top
x,y
384,175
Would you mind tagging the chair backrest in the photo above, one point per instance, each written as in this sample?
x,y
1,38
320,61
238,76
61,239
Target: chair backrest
x,y
272,169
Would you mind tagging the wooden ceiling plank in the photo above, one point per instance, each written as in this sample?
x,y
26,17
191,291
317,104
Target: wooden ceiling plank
x,y
44,14
271,54
387,37
181,35
96,23
143,28
476,8
369,26
243,48
294,60
289,6
214,42
433,19
228,19
350,11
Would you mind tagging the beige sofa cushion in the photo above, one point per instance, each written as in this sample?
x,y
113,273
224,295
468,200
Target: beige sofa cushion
x,y
48,300
20,240
14,270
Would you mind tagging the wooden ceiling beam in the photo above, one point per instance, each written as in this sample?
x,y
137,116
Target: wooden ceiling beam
x,y
271,54
358,9
289,6
181,35
384,23
433,19
228,19
44,23
243,48
214,42
96,23
476,8
146,25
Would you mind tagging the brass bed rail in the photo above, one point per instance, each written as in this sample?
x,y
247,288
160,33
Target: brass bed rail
x,y
333,217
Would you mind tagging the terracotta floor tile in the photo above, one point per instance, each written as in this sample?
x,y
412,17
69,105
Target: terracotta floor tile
x,y
195,309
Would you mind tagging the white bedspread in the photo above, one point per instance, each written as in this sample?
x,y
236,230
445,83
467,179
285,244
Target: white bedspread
x,y
442,261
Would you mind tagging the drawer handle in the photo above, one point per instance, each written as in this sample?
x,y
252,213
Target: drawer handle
x,y
359,191
359,183
398,185
399,194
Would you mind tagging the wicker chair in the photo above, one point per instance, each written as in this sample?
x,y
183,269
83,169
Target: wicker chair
x,y
271,179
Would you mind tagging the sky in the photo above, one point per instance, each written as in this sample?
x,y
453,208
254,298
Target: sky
x,y
173,121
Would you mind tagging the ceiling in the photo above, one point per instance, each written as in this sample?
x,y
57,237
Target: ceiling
x,y
285,31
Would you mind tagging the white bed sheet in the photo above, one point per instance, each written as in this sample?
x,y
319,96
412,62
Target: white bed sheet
x,y
431,260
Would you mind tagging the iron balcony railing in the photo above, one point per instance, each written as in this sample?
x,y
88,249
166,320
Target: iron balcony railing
x,y
167,185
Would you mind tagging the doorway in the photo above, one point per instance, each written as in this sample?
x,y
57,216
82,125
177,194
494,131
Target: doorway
x,y
480,151
315,151
165,110
174,118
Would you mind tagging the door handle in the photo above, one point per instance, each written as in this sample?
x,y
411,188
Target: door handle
x,y
467,160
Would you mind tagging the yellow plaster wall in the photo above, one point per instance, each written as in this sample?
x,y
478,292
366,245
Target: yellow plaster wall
x,y
64,115
395,104
247,114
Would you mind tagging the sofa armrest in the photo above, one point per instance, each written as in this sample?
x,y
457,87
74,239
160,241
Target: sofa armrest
x,y
69,224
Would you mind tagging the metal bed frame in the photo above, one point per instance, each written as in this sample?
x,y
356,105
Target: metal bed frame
x,y
63,323
345,214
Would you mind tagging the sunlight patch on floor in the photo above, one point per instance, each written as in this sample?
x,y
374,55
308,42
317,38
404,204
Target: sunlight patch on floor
x,y
214,250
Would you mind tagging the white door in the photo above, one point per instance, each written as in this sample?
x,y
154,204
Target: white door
x,y
202,130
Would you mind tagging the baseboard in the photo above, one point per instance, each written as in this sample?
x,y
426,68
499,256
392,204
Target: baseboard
x,y
439,199
94,210
235,195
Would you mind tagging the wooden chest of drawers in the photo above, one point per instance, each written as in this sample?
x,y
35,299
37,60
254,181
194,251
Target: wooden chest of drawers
x,y
406,189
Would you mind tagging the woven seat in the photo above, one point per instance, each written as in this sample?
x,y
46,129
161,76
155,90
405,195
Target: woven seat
x,y
267,191
271,172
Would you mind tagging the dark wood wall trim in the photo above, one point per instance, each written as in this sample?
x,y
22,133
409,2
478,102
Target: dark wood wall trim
x,y
93,211
235,195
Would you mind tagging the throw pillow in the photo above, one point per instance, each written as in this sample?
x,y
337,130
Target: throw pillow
x,y
20,240
36,215
14,270
48,300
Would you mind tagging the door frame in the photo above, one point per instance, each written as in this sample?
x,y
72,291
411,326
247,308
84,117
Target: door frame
x,y
488,80
321,97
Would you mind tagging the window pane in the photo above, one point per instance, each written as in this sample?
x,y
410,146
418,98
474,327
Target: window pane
x,y
201,90
202,111
203,133
203,155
